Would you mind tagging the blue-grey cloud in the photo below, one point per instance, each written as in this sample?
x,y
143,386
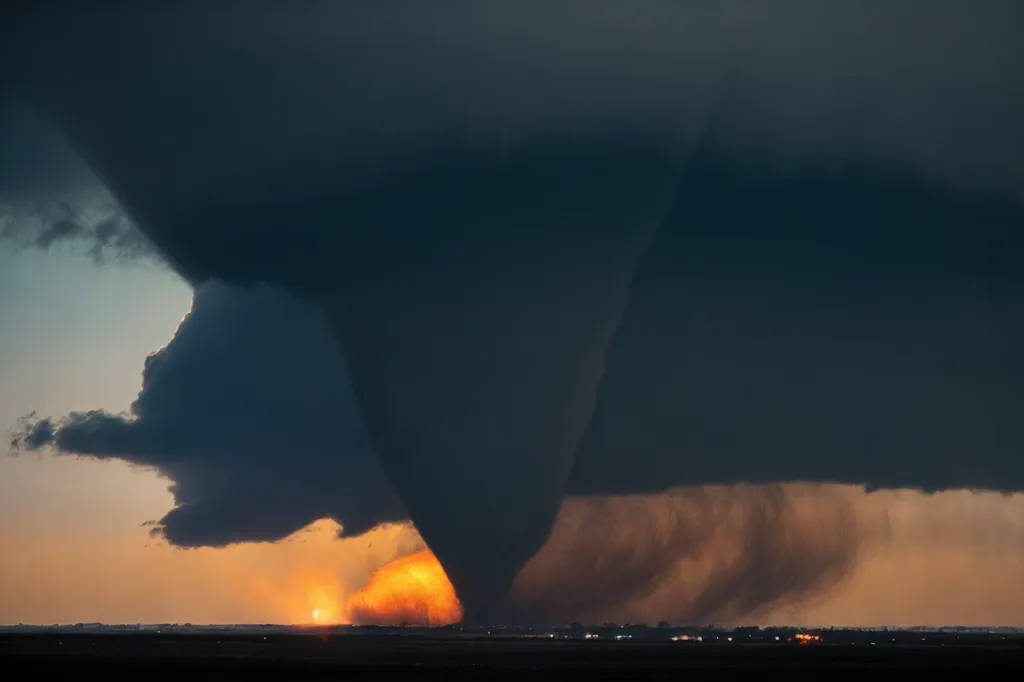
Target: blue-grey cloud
x,y
235,411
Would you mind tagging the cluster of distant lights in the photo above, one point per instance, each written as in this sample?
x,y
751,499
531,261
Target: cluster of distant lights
x,y
802,637
594,635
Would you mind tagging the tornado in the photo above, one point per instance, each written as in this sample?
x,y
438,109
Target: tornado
x,y
476,348
473,281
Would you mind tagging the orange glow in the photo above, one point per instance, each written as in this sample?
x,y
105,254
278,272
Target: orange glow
x,y
412,590
324,597
806,638
313,592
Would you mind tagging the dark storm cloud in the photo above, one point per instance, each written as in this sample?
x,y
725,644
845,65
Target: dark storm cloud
x,y
234,411
466,188
35,159
935,89
808,324
34,434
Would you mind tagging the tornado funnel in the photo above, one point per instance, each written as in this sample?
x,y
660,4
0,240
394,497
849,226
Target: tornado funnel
x,y
475,336
474,274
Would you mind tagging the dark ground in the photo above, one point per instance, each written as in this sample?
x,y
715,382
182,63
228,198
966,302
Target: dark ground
x,y
364,657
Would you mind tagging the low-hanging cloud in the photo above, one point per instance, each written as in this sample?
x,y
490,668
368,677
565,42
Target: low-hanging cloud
x,y
233,410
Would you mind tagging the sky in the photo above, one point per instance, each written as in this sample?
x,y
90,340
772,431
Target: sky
x,y
69,323
725,342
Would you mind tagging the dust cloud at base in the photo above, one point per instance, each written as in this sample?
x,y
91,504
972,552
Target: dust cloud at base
x,y
785,554
411,590
695,555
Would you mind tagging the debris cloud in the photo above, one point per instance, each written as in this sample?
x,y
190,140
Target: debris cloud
x,y
412,590
696,555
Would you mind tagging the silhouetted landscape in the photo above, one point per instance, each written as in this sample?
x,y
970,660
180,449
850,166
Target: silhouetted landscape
x,y
455,653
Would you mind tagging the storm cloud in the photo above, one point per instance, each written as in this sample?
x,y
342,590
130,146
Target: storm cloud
x,y
467,190
235,412
807,324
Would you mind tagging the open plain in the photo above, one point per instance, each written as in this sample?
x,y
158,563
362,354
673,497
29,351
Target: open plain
x,y
228,656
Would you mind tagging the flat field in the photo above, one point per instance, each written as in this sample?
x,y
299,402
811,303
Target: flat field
x,y
396,657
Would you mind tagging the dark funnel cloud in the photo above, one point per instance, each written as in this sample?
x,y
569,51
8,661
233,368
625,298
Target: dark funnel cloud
x,y
234,412
465,190
476,369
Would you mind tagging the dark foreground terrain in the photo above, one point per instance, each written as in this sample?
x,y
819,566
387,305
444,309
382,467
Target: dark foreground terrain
x,y
354,657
